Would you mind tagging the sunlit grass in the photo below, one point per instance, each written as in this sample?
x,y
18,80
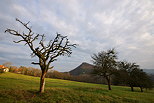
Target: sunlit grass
x,y
21,88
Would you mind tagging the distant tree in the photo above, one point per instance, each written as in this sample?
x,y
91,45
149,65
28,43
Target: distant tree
x,y
7,64
120,77
46,52
152,77
132,75
149,82
129,69
105,64
142,80
13,69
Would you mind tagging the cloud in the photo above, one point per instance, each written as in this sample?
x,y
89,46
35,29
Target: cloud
x,y
94,25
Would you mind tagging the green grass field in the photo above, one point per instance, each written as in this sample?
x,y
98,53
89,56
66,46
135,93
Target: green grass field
x,y
17,88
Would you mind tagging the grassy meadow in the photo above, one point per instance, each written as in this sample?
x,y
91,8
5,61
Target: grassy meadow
x,y
17,88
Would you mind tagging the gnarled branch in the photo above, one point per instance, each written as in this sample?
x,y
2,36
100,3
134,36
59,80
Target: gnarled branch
x,y
60,45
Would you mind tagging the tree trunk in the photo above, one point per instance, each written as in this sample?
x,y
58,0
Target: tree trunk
x,y
141,89
42,82
132,89
109,82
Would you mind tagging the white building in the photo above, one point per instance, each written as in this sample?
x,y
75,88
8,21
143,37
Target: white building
x,y
3,69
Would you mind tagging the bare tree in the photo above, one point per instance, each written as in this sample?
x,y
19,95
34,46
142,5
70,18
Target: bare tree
x,y
7,64
46,52
105,64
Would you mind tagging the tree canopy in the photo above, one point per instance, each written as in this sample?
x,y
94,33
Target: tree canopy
x,y
105,64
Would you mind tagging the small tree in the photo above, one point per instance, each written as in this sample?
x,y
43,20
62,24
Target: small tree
x,y
7,64
105,64
47,53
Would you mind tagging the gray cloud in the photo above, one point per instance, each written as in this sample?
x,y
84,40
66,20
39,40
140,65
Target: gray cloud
x,y
94,25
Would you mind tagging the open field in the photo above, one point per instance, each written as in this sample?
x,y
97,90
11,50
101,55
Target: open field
x,y
17,88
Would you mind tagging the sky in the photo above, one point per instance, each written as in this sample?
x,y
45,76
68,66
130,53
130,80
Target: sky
x,y
95,25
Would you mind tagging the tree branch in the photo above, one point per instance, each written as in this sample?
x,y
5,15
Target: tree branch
x,y
35,63
60,45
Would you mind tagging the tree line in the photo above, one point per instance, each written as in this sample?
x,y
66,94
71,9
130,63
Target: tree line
x,y
31,71
125,74
109,67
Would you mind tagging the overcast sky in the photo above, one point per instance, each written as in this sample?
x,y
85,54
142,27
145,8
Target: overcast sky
x,y
95,25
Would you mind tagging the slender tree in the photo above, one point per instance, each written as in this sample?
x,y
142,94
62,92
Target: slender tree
x,y
46,52
105,64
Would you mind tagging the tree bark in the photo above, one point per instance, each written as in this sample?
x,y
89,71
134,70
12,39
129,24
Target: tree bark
x,y
109,82
141,89
42,82
132,89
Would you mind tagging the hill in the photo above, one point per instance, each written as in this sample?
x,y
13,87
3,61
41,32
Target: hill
x,y
17,88
149,71
84,68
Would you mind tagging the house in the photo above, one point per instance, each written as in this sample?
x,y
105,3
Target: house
x,y
3,69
